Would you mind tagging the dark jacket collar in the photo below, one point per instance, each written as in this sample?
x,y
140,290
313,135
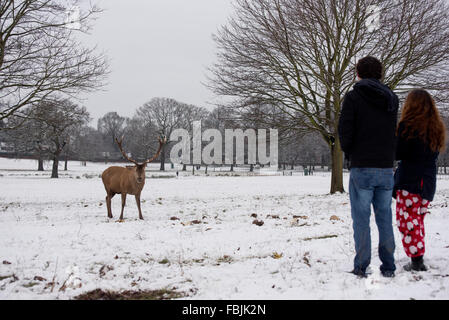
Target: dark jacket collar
x,y
377,94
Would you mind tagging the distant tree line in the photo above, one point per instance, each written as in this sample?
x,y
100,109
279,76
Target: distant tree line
x,y
59,129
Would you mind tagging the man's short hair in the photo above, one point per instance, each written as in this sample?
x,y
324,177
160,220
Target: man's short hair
x,y
369,67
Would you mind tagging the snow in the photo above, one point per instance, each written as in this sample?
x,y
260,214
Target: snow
x,y
56,241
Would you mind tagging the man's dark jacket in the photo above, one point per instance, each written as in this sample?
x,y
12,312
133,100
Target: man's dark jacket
x,y
367,126
417,169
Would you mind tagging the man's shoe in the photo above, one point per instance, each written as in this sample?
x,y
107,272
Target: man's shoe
x,y
359,273
387,274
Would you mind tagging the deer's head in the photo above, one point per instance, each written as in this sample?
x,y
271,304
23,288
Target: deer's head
x,y
138,172
139,168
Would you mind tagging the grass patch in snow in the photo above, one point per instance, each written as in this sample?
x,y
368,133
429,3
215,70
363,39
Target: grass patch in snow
x,y
164,261
30,284
161,294
10,276
321,237
225,259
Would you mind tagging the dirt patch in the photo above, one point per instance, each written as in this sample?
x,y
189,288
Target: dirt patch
x,y
162,294
258,222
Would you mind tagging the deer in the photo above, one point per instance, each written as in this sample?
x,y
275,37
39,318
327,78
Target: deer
x,y
126,180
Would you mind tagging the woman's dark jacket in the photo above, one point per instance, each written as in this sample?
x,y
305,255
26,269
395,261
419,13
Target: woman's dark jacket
x,y
417,168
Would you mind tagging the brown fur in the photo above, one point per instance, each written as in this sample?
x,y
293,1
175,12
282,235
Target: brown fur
x,y
421,118
129,180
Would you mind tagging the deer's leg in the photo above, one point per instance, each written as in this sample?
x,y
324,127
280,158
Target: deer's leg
x,y
123,205
108,204
138,206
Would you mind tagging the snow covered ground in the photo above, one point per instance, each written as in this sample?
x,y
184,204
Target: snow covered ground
x,y
198,238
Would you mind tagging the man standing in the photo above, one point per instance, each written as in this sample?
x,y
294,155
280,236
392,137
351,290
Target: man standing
x,y
367,129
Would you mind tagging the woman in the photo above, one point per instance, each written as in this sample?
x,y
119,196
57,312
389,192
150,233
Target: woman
x,y
421,137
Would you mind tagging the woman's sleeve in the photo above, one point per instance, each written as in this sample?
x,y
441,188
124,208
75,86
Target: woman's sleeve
x,y
401,144
346,125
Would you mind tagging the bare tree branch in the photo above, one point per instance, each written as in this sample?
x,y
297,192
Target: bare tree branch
x,y
289,63
40,56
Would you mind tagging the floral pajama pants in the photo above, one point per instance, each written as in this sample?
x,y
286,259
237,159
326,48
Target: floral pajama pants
x,y
410,212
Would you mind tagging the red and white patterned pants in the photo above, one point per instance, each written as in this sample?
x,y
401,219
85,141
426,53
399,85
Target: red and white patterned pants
x,y
410,212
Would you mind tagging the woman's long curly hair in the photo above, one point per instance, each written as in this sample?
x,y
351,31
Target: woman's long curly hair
x,y
421,119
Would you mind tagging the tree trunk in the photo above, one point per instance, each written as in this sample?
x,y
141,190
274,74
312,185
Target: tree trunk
x,y
163,159
40,163
184,167
54,171
337,168
65,163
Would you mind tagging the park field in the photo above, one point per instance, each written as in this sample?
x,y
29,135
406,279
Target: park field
x,y
204,237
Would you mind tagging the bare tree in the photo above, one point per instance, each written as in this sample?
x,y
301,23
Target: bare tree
x,y
308,151
140,136
69,149
88,143
443,159
49,127
191,114
298,56
40,56
166,115
112,126
28,137
61,117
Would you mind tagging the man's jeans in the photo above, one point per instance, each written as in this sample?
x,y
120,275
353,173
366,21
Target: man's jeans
x,y
372,186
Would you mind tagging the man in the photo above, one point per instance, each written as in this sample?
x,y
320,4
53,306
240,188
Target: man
x,y
367,129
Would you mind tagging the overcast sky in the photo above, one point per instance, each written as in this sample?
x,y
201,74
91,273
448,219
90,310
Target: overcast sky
x,y
156,48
